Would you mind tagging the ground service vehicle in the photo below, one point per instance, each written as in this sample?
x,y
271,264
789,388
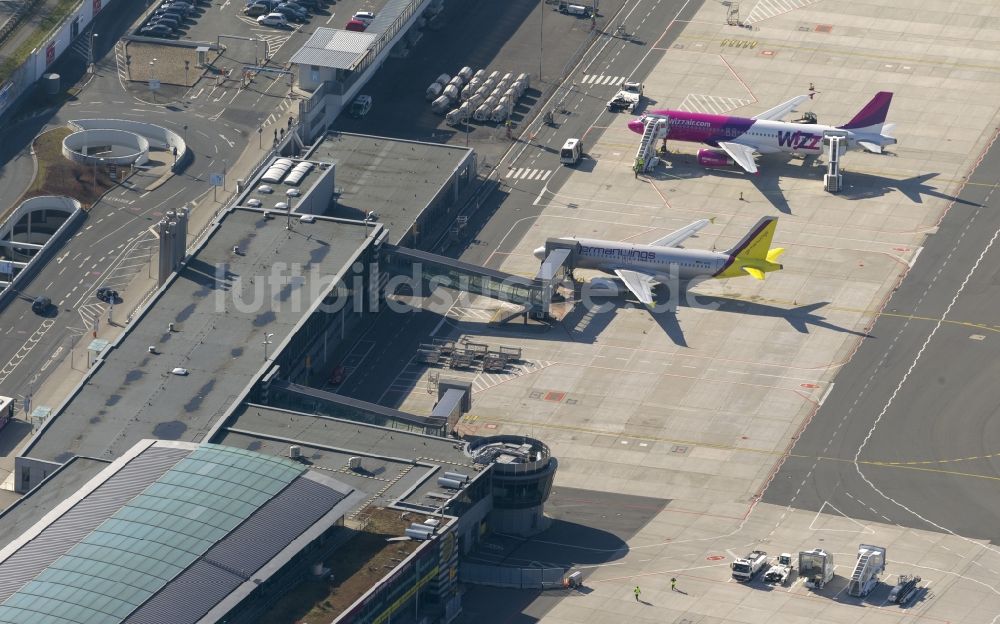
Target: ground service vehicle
x,y
627,98
816,567
780,570
7,411
903,592
746,568
571,151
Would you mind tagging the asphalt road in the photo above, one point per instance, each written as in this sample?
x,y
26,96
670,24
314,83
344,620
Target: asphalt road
x,y
113,243
909,433
503,220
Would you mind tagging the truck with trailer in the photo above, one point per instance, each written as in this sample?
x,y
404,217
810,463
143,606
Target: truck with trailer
x,y
748,567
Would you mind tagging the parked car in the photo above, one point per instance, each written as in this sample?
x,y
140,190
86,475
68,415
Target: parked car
x,y
356,26
273,19
178,11
109,295
41,305
173,21
360,106
156,30
309,4
182,6
179,5
337,376
365,16
256,10
295,4
290,13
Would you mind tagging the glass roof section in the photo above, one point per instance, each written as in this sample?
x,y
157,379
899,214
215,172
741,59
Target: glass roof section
x,y
153,538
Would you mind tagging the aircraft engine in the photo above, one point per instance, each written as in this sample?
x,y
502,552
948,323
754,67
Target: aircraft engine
x,y
713,158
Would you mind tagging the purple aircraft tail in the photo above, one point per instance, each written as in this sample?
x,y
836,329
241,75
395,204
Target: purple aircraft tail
x,y
873,114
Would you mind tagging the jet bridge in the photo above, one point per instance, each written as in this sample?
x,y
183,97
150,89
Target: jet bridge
x,y
428,270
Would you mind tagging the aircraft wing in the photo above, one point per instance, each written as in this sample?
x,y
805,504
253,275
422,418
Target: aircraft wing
x,y
676,238
742,155
640,284
781,110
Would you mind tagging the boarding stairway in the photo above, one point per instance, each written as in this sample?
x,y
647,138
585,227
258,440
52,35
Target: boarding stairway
x,y
654,128
871,563
836,144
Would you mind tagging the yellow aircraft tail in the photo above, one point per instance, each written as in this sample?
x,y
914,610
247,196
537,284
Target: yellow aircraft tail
x,y
753,254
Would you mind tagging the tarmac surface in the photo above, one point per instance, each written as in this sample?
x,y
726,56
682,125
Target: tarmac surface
x,y
700,407
909,433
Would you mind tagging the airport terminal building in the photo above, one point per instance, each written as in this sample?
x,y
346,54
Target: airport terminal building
x,y
154,463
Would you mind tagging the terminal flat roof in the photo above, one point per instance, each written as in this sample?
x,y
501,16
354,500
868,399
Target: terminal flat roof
x,y
334,48
59,486
329,443
133,395
393,177
167,533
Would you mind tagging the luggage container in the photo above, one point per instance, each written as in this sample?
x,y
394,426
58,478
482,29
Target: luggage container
x,y
454,118
458,82
466,73
482,113
500,113
519,87
494,75
476,101
443,80
480,73
441,105
526,79
433,91
451,92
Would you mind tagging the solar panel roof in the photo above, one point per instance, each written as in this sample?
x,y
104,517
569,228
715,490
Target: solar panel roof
x,y
153,538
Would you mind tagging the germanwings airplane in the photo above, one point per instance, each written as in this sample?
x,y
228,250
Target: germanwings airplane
x,y
736,139
639,266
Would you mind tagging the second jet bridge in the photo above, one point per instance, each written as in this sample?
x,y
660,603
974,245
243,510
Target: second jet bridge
x,y
428,270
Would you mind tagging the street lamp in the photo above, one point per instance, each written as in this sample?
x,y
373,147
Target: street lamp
x,y
290,193
265,342
187,64
541,26
288,213
260,131
93,42
152,77
225,166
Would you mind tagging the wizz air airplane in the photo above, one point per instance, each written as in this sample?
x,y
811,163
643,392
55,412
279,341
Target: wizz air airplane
x,y
737,139
639,266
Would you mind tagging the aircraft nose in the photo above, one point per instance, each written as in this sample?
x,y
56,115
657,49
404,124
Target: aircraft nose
x,y
539,253
635,126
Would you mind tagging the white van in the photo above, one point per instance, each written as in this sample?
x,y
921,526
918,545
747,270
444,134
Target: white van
x,y
571,151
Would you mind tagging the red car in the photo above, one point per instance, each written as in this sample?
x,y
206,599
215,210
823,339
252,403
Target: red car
x,y
337,376
356,26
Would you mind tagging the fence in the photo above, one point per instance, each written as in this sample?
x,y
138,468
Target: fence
x,y
516,578
15,21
